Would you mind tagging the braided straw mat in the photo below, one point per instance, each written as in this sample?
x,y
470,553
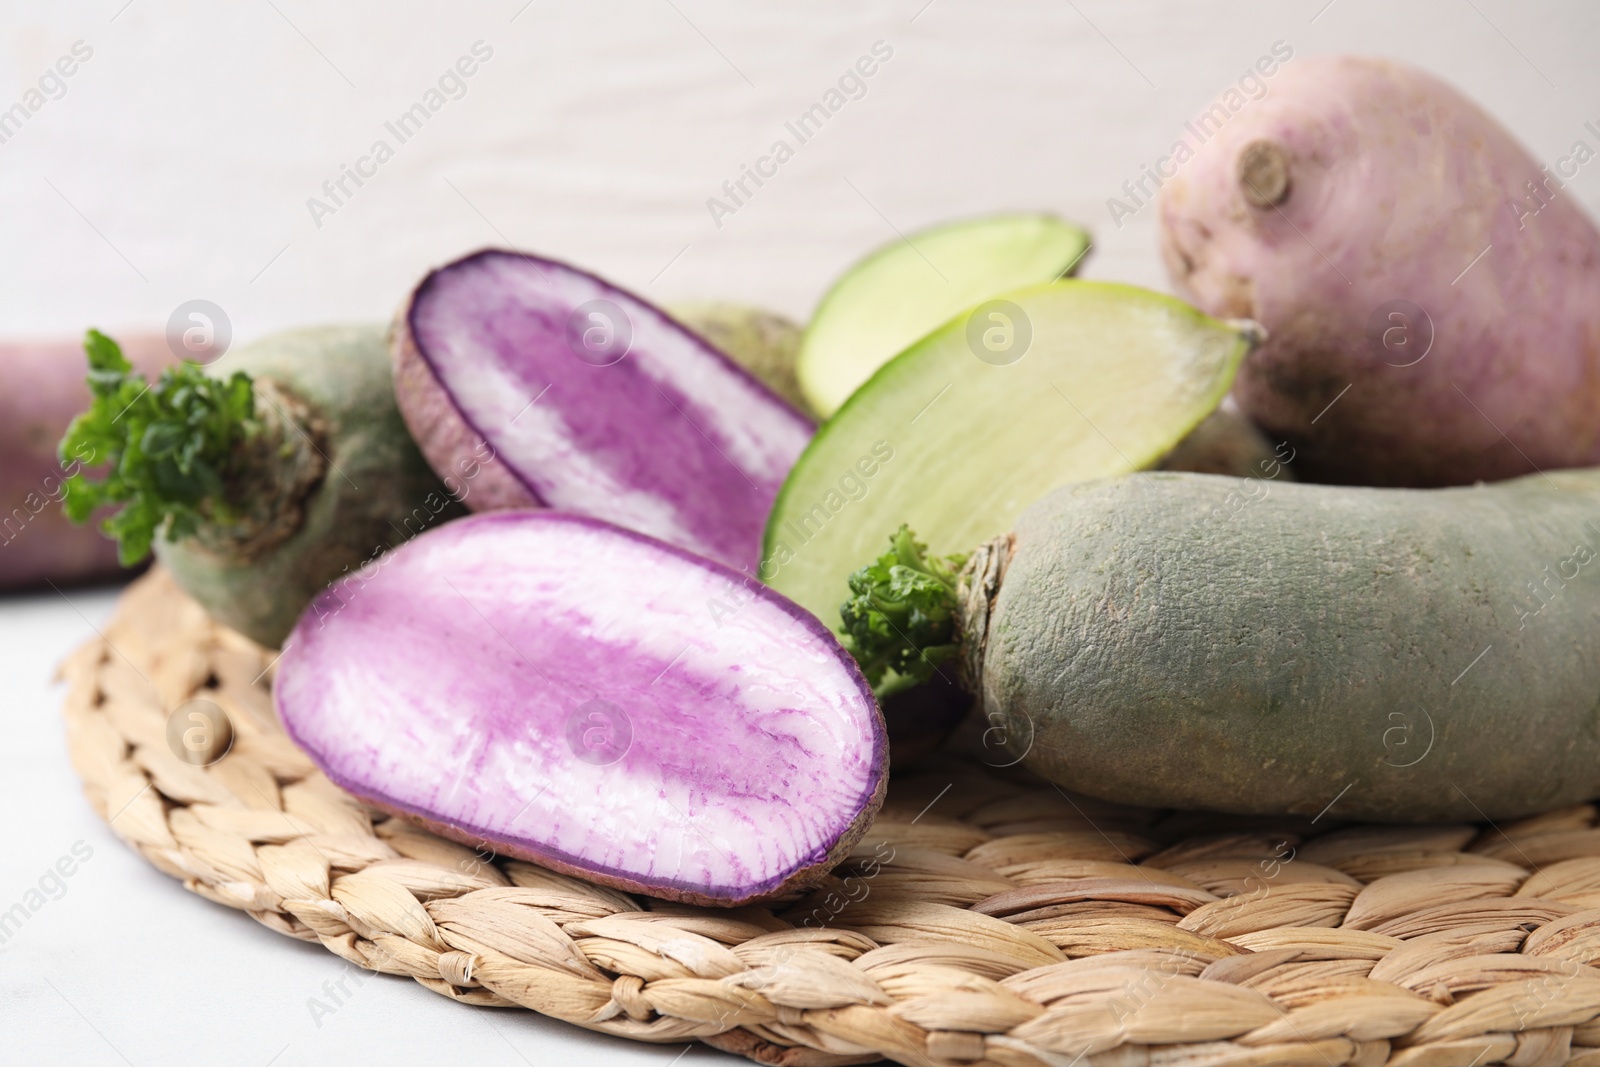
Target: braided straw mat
x,y
983,920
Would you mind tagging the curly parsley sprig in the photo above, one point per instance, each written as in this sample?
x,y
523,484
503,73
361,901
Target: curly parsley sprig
x,y
900,621
165,446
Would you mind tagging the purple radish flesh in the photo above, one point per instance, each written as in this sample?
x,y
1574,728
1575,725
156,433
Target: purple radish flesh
x,y
575,394
555,689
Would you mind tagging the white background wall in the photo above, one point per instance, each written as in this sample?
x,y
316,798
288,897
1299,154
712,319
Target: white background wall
x,y
191,139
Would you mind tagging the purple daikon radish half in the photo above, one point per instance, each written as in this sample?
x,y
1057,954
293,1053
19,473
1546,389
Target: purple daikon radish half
x,y
564,390
561,690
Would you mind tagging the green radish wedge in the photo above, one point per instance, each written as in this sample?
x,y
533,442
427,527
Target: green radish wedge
x,y
905,290
1099,379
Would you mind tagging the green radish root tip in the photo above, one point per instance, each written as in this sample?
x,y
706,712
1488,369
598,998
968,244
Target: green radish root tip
x,y
900,621
166,447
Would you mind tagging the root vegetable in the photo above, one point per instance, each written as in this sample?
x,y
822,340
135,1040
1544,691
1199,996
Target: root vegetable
x,y
261,478
590,400
1431,294
550,687
957,437
37,542
1193,641
903,291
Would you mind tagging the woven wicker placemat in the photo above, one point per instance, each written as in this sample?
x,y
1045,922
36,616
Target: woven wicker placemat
x,y
984,919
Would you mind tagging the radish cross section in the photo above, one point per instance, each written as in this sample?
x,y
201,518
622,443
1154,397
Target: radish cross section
x,y
562,691
567,391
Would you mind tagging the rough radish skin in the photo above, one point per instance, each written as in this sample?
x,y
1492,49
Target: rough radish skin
x,y
45,390
592,401
1333,209
551,687
1415,655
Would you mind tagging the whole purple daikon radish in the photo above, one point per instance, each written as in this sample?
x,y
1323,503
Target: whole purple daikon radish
x,y
1431,292
557,689
563,390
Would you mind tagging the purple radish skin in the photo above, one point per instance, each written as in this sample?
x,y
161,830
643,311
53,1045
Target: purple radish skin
x,y
586,398
1399,244
555,689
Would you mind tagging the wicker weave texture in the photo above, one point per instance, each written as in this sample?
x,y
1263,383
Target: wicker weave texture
x,y
983,920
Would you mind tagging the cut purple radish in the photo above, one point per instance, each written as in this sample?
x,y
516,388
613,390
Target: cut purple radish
x,y
563,691
546,385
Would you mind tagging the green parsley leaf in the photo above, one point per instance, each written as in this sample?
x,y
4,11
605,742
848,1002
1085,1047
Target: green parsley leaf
x,y
900,621
164,447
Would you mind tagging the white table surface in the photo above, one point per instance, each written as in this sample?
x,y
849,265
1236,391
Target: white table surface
x,y
178,163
